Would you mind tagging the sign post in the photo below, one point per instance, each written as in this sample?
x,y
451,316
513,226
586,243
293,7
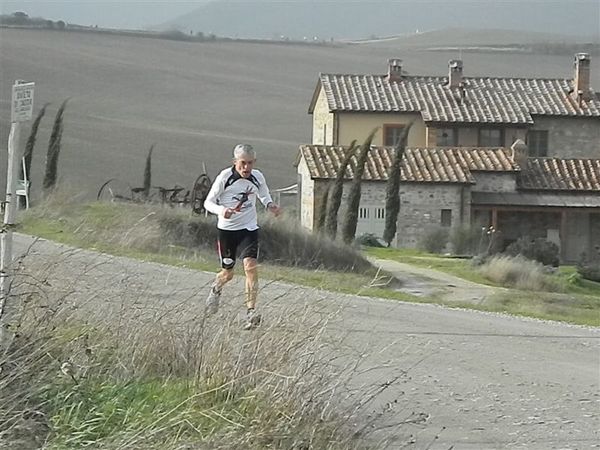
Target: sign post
x,y
21,111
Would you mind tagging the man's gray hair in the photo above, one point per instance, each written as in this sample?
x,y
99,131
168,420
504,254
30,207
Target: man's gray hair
x,y
243,149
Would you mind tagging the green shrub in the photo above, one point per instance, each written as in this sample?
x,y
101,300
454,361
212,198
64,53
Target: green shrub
x,y
282,242
434,240
589,270
465,240
538,249
368,240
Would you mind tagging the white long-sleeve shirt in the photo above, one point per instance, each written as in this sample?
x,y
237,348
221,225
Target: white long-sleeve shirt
x,y
231,190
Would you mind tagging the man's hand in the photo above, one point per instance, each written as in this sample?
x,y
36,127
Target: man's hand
x,y
228,212
274,209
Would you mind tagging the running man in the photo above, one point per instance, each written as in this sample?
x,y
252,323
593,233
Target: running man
x,y
232,198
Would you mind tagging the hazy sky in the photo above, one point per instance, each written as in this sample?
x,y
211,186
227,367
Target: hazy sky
x,y
144,13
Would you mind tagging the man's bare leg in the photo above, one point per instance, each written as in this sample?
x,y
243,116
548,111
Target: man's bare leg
x,y
222,278
212,302
251,270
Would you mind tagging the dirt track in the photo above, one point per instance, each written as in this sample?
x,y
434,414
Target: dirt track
x,y
480,381
433,283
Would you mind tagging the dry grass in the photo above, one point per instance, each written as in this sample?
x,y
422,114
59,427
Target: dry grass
x,y
520,273
120,369
163,230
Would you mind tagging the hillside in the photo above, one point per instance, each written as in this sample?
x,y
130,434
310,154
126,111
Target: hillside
x,y
359,20
468,37
196,100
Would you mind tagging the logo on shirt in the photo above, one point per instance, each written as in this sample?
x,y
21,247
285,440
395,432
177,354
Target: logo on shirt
x,y
242,198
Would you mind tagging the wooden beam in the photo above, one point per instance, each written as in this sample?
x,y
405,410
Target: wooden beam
x,y
547,209
495,218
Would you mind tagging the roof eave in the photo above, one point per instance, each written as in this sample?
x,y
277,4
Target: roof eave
x,y
315,96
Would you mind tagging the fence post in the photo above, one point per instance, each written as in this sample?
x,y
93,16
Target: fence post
x,y
21,110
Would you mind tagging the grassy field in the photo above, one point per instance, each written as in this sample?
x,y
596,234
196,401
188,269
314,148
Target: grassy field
x,y
195,100
566,276
461,268
571,298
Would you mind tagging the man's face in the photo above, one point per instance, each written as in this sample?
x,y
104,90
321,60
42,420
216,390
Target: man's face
x,y
244,165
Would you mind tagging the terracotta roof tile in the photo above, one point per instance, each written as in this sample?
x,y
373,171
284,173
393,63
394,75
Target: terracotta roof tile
x,y
426,165
558,174
483,100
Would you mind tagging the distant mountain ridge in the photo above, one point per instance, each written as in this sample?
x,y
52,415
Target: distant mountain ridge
x,y
325,20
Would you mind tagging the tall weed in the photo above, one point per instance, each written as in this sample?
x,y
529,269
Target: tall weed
x,y
116,367
519,272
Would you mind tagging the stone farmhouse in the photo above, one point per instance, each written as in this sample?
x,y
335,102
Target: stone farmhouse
x,y
554,117
521,155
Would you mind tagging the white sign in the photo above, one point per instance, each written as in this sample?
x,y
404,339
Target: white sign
x,y
22,102
22,187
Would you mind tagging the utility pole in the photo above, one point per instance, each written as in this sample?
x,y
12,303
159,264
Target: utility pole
x,y
21,111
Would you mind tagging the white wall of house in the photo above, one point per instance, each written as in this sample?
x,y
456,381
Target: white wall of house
x,y
571,137
306,193
323,122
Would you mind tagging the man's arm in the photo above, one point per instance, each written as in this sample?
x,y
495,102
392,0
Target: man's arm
x,y
263,190
265,197
211,203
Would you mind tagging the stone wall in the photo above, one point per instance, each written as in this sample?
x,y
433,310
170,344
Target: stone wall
x,y
578,236
372,201
495,181
421,209
595,235
571,137
515,224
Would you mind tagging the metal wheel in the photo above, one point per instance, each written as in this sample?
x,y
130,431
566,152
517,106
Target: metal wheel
x,y
114,190
199,193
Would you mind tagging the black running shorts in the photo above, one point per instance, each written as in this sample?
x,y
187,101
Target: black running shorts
x,y
231,244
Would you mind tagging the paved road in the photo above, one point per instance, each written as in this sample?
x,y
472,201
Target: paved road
x,y
478,380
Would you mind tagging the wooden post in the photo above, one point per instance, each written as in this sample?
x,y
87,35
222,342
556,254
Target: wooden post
x,y
9,214
495,218
21,110
563,233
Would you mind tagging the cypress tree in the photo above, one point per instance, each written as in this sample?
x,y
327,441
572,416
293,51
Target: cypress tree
x,y
28,154
148,174
53,152
335,196
320,225
349,227
392,194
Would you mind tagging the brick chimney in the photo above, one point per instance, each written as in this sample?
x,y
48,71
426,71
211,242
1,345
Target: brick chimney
x,y
519,153
394,69
455,73
581,80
